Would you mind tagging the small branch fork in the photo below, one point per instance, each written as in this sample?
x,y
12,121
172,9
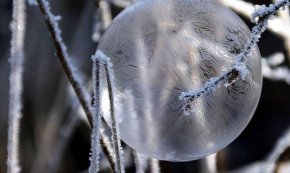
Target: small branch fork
x,y
61,51
239,70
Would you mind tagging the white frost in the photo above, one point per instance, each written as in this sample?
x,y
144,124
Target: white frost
x,y
16,86
119,160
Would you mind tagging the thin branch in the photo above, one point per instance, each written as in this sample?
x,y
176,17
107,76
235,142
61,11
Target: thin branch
x,y
279,25
95,144
103,59
115,136
105,142
61,51
15,91
239,69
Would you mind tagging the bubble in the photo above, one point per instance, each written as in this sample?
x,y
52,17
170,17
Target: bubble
x,y
161,48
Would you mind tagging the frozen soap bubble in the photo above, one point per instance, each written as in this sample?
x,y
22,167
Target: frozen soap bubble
x,y
161,48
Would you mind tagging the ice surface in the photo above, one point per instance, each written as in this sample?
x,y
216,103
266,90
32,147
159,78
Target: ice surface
x,y
161,48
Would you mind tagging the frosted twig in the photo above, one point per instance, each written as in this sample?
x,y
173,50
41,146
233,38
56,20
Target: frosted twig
x,y
279,25
154,165
284,15
105,142
238,70
70,70
103,59
15,79
95,144
264,11
61,51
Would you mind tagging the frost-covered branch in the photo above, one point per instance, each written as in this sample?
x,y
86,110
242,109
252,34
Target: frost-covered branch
x,y
239,69
95,144
70,70
280,25
264,11
15,91
61,51
105,142
104,60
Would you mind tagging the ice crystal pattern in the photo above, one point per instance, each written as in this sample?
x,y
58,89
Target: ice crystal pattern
x,y
161,48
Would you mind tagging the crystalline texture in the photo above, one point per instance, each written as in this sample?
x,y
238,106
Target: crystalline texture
x,y
161,48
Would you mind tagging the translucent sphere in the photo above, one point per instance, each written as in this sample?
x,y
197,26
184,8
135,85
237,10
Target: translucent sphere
x,y
160,48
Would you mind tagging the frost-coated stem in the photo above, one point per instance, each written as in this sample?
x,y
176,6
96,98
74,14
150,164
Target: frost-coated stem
x,y
70,70
280,25
16,86
115,136
95,144
239,69
119,161
105,142
61,51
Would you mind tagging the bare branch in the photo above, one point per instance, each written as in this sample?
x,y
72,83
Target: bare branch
x,y
61,51
69,69
95,144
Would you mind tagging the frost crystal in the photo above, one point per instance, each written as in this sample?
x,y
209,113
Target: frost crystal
x,y
157,58
110,78
263,10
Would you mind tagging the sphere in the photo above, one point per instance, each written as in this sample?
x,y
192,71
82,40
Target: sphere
x,y
160,48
